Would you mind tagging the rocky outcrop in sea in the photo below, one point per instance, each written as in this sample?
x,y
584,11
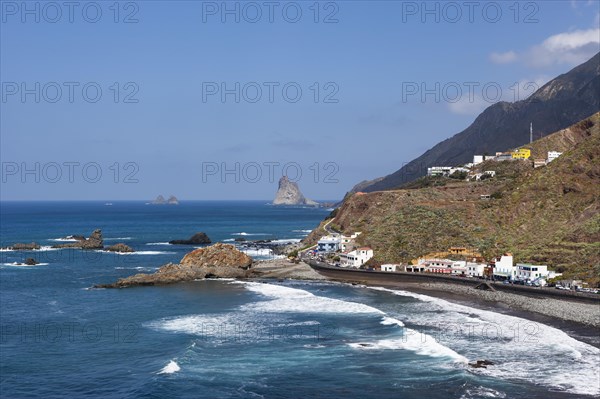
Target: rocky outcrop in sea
x,y
120,247
196,239
94,241
218,260
289,193
23,247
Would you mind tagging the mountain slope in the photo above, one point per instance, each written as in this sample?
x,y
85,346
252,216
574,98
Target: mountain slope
x,y
547,215
561,102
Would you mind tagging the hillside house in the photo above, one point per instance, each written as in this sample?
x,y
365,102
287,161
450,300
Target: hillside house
x,y
521,153
552,155
329,243
356,258
439,171
504,156
348,243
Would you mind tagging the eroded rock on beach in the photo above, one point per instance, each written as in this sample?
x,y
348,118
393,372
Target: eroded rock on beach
x,y
219,260
196,239
95,241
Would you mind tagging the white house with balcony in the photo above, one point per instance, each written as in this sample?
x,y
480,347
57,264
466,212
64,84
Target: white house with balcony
x,y
356,258
329,243
532,272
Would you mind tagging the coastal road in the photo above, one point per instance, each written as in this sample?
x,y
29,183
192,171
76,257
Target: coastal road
x,y
329,229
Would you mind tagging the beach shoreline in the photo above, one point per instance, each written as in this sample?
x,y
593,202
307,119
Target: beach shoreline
x,y
579,320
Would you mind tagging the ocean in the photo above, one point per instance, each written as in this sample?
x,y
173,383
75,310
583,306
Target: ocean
x,y
231,339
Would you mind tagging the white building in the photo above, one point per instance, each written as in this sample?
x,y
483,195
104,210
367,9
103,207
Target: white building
x,y
347,242
439,171
477,159
330,243
504,267
475,269
389,268
459,267
356,258
552,155
443,266
531,272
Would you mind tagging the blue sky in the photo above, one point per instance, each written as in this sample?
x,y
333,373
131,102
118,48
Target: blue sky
x,y
162,126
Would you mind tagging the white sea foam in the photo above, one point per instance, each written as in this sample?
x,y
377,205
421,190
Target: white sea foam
x,y
63,239
229,240
44,248
482,392
118,238
18,264
301,231
170,368
541,354
142,253
243,233
411,340
158,243
389,321
293,300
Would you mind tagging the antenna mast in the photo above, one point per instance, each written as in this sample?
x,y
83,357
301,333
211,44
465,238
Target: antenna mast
x,y
531,133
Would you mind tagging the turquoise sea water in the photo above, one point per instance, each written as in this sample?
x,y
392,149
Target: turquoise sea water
x,y
229,339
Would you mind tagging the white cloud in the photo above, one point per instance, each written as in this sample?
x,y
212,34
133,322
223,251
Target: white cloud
x,y
503,58
570,48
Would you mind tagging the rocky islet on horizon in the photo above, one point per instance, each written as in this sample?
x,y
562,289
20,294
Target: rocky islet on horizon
x,y
160,200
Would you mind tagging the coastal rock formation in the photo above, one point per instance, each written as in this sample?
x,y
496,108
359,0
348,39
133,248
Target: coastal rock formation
x,y
289,194
120,247
219,260
93,242
24,247
30,262
196,239
160,200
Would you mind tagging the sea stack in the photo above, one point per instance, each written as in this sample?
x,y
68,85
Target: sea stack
x,y
289,194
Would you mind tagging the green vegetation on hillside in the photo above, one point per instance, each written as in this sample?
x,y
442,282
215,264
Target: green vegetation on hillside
x,y
548,215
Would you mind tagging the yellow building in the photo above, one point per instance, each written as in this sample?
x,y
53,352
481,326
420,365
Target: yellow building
x,y
521,153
